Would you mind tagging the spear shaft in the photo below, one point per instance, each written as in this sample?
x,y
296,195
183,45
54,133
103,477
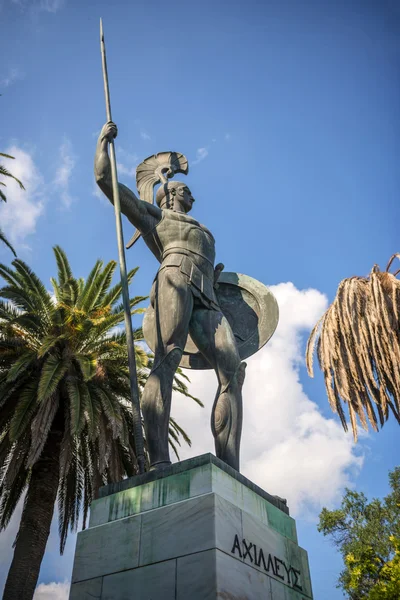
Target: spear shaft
x,y
137,421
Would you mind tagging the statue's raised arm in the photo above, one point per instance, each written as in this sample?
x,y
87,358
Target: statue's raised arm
x,y
143,215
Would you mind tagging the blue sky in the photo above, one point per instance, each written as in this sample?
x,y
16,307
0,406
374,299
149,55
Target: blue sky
x,y
288,114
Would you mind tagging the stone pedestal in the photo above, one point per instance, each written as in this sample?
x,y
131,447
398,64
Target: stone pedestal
x,y
197,530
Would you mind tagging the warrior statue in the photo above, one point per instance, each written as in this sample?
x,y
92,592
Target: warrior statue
x,y
185,309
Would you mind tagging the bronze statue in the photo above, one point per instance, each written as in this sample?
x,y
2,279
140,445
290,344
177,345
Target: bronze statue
x,y
185,317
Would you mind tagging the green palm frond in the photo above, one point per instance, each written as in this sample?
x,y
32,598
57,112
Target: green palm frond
x,y
178,429
68,446
104,327
6,173
53,370
134,301
57,289
77,391
5,454
10,498
16,462
115,293
87,364
67,497
9,275
111,408
2,234
90,284
71,292
32,282
64,268
183,390
99,288
21,298
90,412
174,448
24,410
49,342
40,427
20,365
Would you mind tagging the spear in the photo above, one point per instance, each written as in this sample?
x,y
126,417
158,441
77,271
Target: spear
x,y
137,420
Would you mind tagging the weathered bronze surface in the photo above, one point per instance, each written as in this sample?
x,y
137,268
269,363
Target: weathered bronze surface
x,y
198,317
251,311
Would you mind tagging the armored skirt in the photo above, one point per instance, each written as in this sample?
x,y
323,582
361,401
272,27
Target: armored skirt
x,y
180,242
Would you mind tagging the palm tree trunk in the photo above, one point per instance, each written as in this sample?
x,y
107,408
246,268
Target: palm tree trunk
x,y
35,522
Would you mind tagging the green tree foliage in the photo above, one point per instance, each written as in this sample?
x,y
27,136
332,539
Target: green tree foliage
x,y
65,410
367,534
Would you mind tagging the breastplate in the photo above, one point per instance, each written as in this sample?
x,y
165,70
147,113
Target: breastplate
x,y
179,241
179,233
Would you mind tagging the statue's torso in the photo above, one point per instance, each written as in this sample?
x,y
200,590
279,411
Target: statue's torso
x,y
178,240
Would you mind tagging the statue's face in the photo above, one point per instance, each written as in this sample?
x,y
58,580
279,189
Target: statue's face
x,y
185,198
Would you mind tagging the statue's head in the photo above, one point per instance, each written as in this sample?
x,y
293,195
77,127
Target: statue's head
x,y
175,195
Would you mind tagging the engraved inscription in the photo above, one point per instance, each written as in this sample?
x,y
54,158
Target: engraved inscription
x,y
270,563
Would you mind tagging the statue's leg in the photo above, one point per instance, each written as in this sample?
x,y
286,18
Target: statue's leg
x,y
173,305
213,336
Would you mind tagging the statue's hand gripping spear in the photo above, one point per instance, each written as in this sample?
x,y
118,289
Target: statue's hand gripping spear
x,y
137,421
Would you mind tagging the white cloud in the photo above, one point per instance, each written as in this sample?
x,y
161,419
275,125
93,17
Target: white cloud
x,y
52,591
64,172
23,208
14,74
227,137
126,170
201,154
145,136
126,162
96,191
19,215
288,447
50,6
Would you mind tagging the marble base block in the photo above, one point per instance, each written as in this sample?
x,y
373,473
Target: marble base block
x,y
196,530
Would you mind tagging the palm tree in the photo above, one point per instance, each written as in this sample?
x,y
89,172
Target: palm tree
x,y
6,173
358,348
65,419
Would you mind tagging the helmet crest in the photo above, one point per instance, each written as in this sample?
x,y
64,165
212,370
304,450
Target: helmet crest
x,y
157,169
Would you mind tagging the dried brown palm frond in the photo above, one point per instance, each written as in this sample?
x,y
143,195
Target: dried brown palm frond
x,y
358,348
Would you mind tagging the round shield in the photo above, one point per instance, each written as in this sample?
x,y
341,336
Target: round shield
x,y
250,308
